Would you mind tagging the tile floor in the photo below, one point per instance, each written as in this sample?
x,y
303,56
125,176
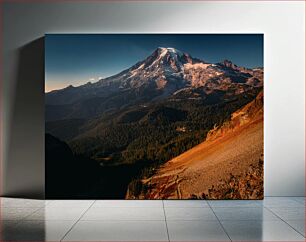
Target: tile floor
x,y
274,219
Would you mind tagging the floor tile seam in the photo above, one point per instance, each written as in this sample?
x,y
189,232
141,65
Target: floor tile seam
x,y
220,223
73,225
20,221
66,207
165,217
300,202
286,223
36,210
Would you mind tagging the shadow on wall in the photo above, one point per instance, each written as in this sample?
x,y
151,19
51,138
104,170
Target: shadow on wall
x,y
24,170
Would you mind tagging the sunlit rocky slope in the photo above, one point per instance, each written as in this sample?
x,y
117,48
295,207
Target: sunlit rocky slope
x,y
227,165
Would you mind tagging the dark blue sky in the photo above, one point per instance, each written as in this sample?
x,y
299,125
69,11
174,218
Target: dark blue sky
x,y
78,58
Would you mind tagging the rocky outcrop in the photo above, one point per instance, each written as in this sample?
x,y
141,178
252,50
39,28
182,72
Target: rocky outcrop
x,y
248,185
227,165
249,113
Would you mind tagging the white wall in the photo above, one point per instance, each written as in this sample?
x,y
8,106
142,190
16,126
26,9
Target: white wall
x,y
283,24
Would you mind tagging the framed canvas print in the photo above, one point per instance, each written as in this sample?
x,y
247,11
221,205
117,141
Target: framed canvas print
x,y
154,116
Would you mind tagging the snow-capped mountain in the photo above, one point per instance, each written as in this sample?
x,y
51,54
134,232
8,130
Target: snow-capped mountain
x,y
167,72
163,68
171,68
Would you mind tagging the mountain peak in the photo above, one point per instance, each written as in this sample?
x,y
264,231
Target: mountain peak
x,y
170,50
228,64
